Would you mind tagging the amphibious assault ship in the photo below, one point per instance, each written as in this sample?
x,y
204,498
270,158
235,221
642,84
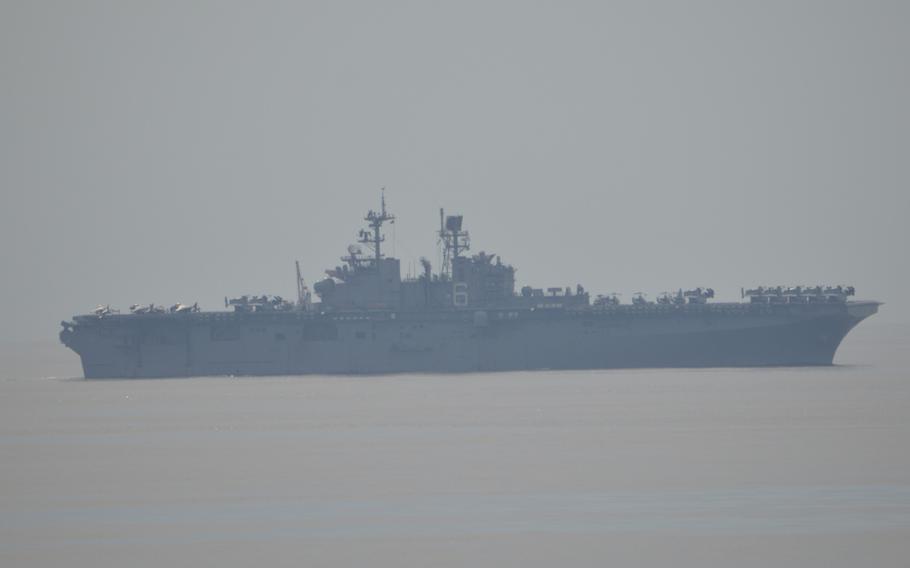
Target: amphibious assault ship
x,y
465,317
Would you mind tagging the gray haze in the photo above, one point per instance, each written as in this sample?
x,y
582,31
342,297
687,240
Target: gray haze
x,y
163,152
184,151
692,468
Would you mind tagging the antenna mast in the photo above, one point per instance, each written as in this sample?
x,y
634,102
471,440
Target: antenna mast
x,y
303,293
375,221
454,240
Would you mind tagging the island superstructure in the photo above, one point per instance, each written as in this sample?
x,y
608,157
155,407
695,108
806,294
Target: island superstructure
x,y
465,317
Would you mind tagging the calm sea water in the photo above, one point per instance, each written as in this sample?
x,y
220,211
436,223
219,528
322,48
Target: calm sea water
x,y
716,467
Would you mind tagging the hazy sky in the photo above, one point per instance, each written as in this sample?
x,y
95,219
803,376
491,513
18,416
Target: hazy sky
x,y
184,151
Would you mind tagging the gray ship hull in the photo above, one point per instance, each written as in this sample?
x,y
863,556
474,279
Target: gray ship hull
x,y
456,341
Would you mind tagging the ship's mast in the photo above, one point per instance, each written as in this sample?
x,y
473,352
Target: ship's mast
x,y
375,221
303,293
454,240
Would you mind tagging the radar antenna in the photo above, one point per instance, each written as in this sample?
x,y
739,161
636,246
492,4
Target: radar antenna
x,y
454,241
375,220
